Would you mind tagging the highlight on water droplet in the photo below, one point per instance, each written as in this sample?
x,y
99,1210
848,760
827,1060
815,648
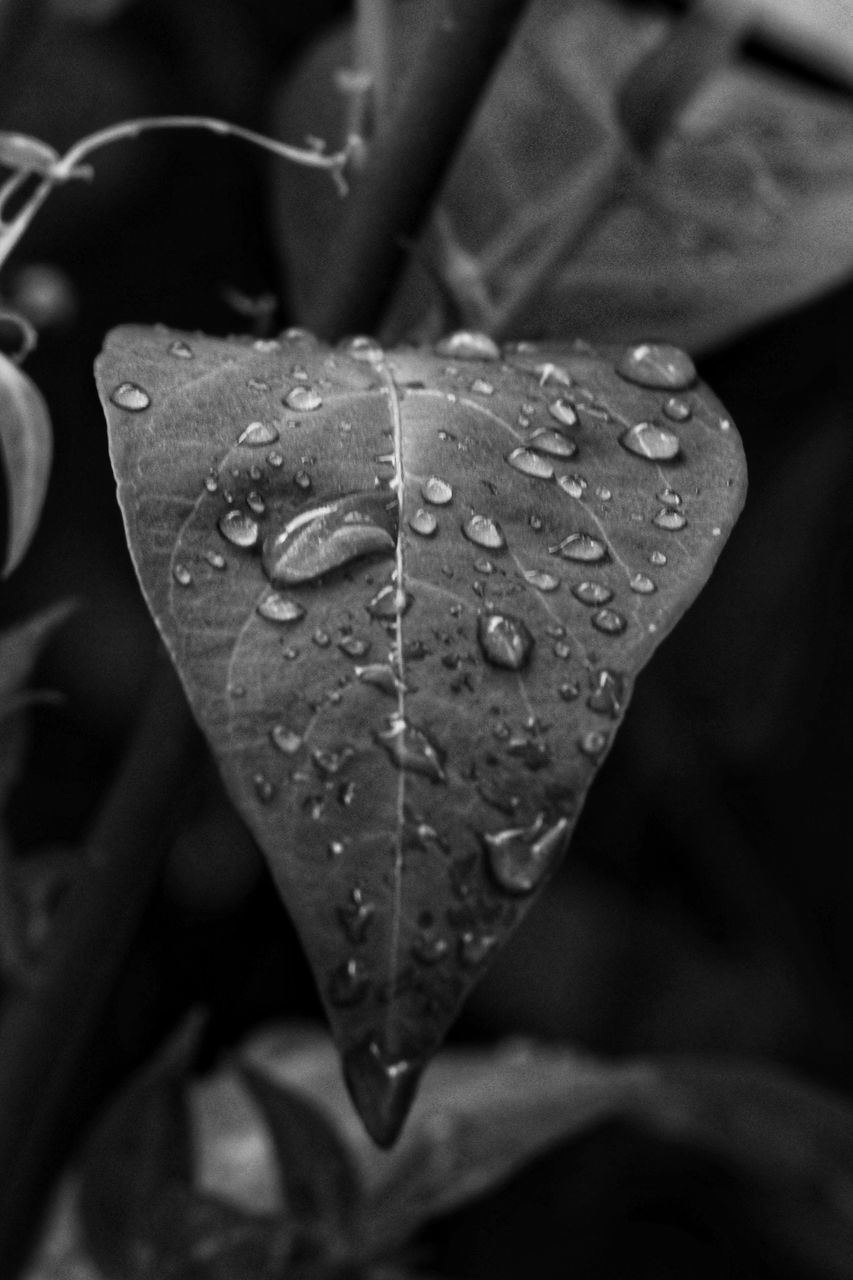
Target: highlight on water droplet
x,y
467,344
303,399
519,858
669,519
650,441
484,531
436,491
658,365
581,547
506,641
278,608
541,579
258,434
238,528
130,396
530,463
609,621
325,536
591,592
564,412
423,523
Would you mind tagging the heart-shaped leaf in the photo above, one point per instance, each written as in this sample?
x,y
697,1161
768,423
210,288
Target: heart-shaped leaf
x,y
407,594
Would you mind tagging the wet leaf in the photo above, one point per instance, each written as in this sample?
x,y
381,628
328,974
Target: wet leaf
x,y
410,725
26,448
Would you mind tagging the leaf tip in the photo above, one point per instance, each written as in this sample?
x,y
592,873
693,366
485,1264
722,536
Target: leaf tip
x,y
382,1087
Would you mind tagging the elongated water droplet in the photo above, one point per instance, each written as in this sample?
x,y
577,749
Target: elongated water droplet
x,y
484,531
303,399
390,602
238,528
278,608
609,621
669,519
182,575
542,580
348,984
504,640
382,1087
659,365
648,440
564,412
437,491
642,584
677,410
258,434
530,463
129,396
581,547
551,442
467,344
327,535
423,523
574,486
285,740
411,749
381,676
592,592
180,349
519,858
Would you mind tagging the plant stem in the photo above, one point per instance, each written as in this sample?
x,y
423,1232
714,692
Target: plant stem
x,y
392,193
46,1029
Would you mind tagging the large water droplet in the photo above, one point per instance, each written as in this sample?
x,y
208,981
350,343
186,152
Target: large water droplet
x,y
390,602
411,748
127,395
423,523
659,365
650,441
303,399
504,640
564,412
542,580
382,1087
520,857
327,535
278,608
285,740
484,531
437,491
592,592
467,344
348,984
581,547
258,434
551,442
238,528
530,463
609,621
669,519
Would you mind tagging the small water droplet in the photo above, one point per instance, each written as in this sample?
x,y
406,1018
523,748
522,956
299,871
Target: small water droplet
x,y
542,580
211,483
291,653
551,442
275,458
182,575
574,486
642,584
390,602
429,948
657,558
475,948
603,494
412,749
608,693
354,918
326,536
381,676
302,480
303,399
321,638
437,491
362,347
564,412
484,566
238,528
581,547
592,592
481,387
569,690
658,365
670,498
519,858
592,743
609,621
336,848
329,763
266,344
669,519
423,523
348,984
180,349
562,650
530,463
484,531
257,384
255,503
278,608
215,560
467,344
650,441
129,396
505,641
264,789
285,740
677,410
353,646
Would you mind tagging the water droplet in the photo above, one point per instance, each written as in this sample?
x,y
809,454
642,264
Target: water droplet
x,y
609,621
562,650
354,918
278,608
592,592
336,848
381,676
238,528
519,858
328,535
255,503
128,395
484,531
468,345
303,399
530,464
504,640
428,948
475,948
302,480
569,690
581,547
215,560
551,442
266,344
211,483
411,748
642,584
290,654
364,348
285,740
608,693
650,441
353,646
657,364
677,410
390,602
182,575
437,491
348,984
542,580
329,763
481,387
382,1087
592,743
670,498
424,523
668,519
264,789
574,486
258,434
180,349
563,411
275,458
603,493
657,557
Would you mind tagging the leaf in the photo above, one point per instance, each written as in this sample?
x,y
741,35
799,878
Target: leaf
x,y
26,448
20,151
410,735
